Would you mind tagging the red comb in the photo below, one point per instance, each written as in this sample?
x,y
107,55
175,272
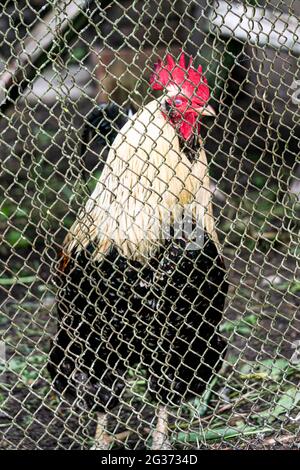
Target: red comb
x,y
189,80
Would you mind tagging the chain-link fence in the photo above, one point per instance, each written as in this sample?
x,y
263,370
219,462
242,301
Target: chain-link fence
x,y
138,344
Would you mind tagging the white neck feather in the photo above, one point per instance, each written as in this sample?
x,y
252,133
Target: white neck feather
x,y
146,183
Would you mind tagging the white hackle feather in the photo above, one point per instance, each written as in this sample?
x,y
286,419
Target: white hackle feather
x,y
147,183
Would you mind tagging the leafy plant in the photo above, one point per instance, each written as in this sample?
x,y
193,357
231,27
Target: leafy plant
x,y
242,326
16,239
220,434
284,405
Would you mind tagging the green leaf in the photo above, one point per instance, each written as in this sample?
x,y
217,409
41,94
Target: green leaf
x,y
285,404
259,180
265,369
78,53
9,281
27,369
44,137
201,404
17,239
255,376
295,287
292,287
220,433
276,367
242,326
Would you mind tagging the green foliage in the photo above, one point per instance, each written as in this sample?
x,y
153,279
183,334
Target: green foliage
x,y
292,287
258,219
44,137
272,369
16,239
9,281
220,434
284,405
94,178
27,369
78,53
242,326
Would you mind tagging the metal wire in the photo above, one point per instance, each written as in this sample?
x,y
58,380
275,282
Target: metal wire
x,y
58,61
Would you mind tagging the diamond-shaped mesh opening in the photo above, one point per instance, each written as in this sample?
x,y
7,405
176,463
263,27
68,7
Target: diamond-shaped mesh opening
x,y
117,328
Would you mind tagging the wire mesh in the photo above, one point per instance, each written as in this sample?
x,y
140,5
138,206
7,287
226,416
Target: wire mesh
x,y
60,60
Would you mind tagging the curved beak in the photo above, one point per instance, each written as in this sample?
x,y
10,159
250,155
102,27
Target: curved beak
x,y
206,110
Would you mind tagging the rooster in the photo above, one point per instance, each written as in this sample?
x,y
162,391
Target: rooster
x,y
135,286
102,126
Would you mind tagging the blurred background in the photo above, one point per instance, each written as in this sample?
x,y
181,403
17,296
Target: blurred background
x,y
58,60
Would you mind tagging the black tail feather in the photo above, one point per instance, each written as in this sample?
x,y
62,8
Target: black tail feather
x,y
104,122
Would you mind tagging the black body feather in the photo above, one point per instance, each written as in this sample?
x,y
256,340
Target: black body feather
x,y
115,314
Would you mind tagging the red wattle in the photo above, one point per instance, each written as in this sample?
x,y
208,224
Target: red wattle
x,y
188,126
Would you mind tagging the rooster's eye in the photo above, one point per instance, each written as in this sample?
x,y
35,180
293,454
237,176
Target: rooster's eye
x,y
178,102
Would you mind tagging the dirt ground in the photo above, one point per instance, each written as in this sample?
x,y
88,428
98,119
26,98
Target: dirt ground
x,y
254,402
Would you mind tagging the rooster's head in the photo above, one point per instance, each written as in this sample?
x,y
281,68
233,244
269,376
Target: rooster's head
x,y
187,93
